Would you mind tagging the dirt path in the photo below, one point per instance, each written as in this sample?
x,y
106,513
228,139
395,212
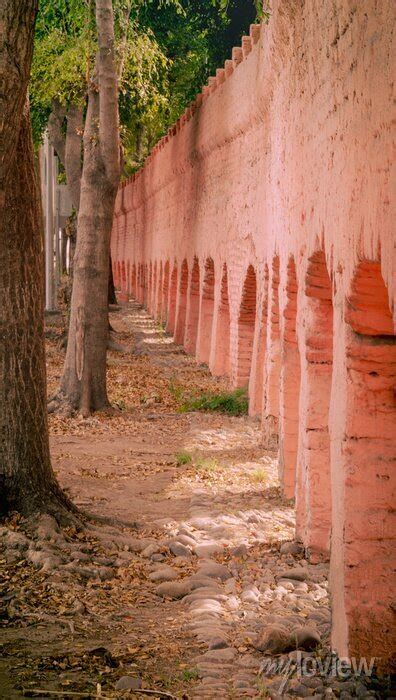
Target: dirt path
x,y
189,593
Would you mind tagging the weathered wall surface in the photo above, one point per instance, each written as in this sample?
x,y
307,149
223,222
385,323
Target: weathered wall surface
x,y
260,230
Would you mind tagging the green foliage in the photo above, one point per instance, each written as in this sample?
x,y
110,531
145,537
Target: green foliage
x,y
263,10
143,95
176,390
69,16
183,458
59,69
190,674
209,465
167,49
196,40
235,403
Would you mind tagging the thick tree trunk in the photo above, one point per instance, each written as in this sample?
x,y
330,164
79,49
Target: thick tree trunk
x,y
83,383
27,482
17,18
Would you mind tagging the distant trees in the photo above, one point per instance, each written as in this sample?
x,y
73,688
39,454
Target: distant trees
x,y
196,36
85,67
165,50
65,50
159,53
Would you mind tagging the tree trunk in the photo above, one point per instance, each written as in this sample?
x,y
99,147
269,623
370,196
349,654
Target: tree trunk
x,y
68,146
64,252
27,482
111,297
83,383
68,149
73,155
55,133
73,169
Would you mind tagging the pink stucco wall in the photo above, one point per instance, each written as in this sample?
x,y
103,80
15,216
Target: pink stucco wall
x,y
260,230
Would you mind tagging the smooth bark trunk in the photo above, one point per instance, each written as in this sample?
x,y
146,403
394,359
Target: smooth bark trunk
x,y
55,132
68,145
83,383
73,154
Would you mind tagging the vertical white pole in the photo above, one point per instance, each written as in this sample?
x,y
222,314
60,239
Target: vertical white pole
x,y
61,261
67,261
49,227
57,215
42,179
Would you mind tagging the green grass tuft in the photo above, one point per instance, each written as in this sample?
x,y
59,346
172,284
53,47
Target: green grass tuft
x,y
208,464
183,458
176,390
259,475
190,674
235,403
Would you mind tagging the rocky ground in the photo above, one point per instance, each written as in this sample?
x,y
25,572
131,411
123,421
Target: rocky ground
x,y
195,587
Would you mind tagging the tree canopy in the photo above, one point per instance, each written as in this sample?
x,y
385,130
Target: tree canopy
x,y
166,50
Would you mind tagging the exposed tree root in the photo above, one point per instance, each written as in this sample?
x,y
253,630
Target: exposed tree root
x,y
54,504
62,543
49,500
58,506
31,692
113,522
117,347
64,512
59,404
